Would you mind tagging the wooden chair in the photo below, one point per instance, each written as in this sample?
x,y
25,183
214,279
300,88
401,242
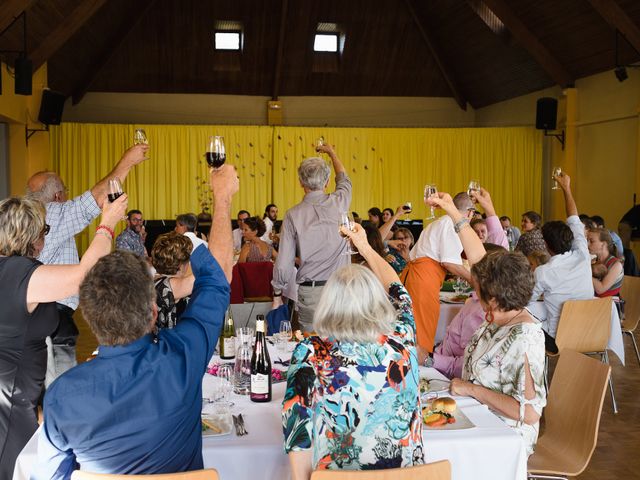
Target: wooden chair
x,y
207,474
630,293
431,471
585,326
572,417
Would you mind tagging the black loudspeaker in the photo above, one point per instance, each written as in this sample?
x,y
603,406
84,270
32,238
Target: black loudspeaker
x,y
546,113
51,107
24,71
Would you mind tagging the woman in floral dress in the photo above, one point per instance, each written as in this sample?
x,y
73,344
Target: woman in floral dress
x,y
504,361
352,399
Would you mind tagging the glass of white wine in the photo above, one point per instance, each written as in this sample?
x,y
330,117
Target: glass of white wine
x,y
140,138
346,220
473,188
430,190
557,171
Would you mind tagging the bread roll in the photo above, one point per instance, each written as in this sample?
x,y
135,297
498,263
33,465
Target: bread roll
x,y
444,404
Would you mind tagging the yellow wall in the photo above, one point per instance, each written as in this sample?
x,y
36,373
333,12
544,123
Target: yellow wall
x,y
18,111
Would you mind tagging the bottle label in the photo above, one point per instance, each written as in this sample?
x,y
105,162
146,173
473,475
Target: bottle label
x,y
259,383
229,346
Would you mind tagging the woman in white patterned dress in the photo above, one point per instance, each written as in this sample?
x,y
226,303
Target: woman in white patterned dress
x,y
504,360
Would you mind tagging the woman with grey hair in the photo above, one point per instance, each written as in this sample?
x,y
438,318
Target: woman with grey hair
x,y
28,313
352,399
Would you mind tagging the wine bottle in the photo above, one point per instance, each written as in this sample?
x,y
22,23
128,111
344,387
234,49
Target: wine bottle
x,y
260,390
228,338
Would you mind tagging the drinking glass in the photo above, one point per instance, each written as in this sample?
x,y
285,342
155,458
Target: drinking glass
x,y
226,376
407,209
474,187
216,154
285,335
140,138
319,143
245,336
242,370
430,190
557,171
346,220
115,189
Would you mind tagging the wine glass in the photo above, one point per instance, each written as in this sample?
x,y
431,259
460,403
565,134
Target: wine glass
x,y
216,154
226,376
285,335
407,210
140,138
115,189
557,171
319,143
430,190
346,220
474,187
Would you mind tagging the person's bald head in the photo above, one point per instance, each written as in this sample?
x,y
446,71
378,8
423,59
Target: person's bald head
x,y
47,187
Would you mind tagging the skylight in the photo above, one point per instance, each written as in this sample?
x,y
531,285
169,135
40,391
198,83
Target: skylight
x,y
227,40
326,42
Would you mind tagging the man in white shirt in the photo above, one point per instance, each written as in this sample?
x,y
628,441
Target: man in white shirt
x,y
186,225
237,232
567,275
269,218
437,251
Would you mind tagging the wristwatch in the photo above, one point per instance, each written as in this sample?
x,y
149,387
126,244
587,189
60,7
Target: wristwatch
x,y
460,224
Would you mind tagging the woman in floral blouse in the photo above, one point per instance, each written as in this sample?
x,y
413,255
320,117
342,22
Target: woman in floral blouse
x,y
503,364
352,399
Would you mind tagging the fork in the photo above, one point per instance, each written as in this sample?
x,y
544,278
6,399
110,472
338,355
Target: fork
x,y
241,421
236,425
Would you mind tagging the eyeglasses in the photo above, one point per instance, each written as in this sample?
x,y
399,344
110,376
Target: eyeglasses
x,y
472,210
46,230
401,238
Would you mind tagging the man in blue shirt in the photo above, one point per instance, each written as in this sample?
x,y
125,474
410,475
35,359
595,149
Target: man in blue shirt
x,y
135,409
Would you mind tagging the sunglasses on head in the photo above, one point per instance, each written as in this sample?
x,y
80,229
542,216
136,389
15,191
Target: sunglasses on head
x,y
46,230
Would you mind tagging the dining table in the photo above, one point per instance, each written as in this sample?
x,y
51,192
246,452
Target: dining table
x,y
489,449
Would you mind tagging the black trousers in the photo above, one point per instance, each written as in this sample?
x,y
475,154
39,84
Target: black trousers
x,y
67,331
550,343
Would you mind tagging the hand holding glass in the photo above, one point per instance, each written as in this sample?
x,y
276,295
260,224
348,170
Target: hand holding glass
x,y
473,188
430,190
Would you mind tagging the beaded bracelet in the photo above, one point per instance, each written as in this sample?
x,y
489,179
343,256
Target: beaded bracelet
x,y
104,234
104,227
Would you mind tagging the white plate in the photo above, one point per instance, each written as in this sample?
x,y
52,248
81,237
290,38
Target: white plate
x,y
452,297
224,422
462,423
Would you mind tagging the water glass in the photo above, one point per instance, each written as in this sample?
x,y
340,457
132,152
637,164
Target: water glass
x,y
245,336
242,370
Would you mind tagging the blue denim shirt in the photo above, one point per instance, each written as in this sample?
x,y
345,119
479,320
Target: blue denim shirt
x,y
136,408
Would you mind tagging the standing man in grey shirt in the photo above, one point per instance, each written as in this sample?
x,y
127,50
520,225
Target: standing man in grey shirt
x,y
66,218
310,230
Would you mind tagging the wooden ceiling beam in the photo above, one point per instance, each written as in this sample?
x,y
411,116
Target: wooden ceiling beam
x,y
11,9
110,48
530,42
280,52
615,16
64,31
431,46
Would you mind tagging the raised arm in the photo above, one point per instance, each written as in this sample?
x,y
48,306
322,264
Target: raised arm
x,y
495,233
569,203
130,158
55,282
224,184
470,242
380,267
385,229
338,167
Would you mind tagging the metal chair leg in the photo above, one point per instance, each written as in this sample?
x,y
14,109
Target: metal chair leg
x,y
635,345
605,358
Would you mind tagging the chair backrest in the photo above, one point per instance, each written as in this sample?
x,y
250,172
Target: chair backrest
x,y
237,291
630,293
574,406
585,325
207,474
256,280
431,471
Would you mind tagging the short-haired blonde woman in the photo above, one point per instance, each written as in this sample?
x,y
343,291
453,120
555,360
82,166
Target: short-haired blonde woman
x,y
352,399
28,290
170,257
503,363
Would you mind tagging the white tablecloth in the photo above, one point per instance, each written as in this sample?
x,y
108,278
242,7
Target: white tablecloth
x,y
490,451
615,344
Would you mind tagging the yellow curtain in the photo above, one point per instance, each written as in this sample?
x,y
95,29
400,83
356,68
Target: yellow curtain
x,y
388,166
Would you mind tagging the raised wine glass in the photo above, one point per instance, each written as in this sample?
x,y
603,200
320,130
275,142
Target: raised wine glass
x,y
557,171
115,189
407,209
346,220
216,154
319,143
140,138
430,190
474,187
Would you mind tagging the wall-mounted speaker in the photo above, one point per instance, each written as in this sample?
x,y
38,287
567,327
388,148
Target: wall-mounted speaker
x,y
23,69
51,107
546,113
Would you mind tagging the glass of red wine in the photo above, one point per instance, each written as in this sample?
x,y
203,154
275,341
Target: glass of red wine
x,y
115,189
216,154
